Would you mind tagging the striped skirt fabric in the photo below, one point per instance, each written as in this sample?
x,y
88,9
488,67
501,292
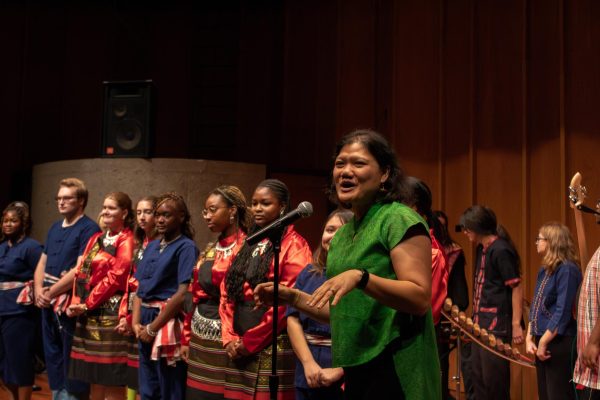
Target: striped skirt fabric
x,y
133,363
247,378
99,353
206,369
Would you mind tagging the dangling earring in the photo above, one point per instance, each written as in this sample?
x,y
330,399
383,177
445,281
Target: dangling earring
x,y
382,187
231,219
281,212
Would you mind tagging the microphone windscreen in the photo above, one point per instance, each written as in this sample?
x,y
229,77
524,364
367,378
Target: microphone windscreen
x,y
305,209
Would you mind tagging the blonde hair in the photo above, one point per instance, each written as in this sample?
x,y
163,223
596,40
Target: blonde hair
x,y
559,245
80,189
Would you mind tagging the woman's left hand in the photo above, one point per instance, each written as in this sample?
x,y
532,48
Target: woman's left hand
x,y
336,287
241,349
517,333
542,352
75,310
330,375
143,335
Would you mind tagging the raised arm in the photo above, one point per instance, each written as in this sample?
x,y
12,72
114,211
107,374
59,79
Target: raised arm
x,y
409,293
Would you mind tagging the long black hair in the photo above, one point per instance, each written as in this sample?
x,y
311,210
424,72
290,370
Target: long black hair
x,y
445,239
418,195
482,220
249,268
380,149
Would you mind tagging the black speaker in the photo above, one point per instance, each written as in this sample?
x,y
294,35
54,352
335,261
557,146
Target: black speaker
x,y
128,127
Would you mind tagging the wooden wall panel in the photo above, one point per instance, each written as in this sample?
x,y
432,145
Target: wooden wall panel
x,y
309,98
416,82
582,96
489,102
356,73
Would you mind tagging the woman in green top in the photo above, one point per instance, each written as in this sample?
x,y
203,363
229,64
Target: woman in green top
x,y
377,297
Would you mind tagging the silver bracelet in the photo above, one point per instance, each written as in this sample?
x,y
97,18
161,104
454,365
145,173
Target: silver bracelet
x,y
150,332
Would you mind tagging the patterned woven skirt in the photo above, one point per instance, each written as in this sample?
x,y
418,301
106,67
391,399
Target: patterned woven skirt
x,y
247,378
207,360
99,353
133,363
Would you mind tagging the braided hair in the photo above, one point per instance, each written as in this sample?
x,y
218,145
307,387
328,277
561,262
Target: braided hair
x,y
245,267
186,227
22,210
234,197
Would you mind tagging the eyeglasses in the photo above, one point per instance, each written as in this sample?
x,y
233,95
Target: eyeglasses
x,y
64,198
539,238
210,211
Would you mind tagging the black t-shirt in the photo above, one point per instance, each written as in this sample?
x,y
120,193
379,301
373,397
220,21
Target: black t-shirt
x,y
492,289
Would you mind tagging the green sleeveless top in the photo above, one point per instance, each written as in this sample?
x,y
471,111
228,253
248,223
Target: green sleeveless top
x,y
361,327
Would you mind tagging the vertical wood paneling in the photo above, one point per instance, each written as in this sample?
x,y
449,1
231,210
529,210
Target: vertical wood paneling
x,y
582,96
416,82
489,102
356,65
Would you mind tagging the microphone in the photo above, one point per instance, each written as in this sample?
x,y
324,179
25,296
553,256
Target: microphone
x,y
304,209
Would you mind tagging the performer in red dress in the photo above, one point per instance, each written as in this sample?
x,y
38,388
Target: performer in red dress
x,y
225,212
247,332
98,354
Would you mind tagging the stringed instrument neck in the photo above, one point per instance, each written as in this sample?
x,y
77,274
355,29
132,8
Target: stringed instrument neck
x,y
577,194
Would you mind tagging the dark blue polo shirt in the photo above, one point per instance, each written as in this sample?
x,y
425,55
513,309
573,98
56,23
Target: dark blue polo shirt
x,y
64,245
160,274
17,264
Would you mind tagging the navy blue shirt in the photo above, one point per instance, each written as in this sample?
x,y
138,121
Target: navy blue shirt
x,y
160,274
308,281
64,245
17,264
552,309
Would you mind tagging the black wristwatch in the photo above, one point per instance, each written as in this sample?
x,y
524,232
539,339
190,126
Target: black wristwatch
x,y
364,279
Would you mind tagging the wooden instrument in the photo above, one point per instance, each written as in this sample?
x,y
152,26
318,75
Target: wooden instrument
x,y
482,338
577,193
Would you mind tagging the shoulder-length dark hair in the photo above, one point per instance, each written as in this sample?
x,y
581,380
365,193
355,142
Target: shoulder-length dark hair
x,y
320,254
383,153
254,269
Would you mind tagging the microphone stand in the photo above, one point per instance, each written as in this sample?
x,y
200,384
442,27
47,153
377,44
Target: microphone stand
x,y
275,238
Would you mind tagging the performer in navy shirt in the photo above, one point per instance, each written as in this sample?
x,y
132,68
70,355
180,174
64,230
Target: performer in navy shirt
x,y
65,243
19,319
164,275
311,339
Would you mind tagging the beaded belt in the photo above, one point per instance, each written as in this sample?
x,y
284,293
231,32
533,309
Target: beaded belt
x,y
318,340
205,328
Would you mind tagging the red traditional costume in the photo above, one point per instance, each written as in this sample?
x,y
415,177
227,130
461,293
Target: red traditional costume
x,y
99,353
247,377
202,327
